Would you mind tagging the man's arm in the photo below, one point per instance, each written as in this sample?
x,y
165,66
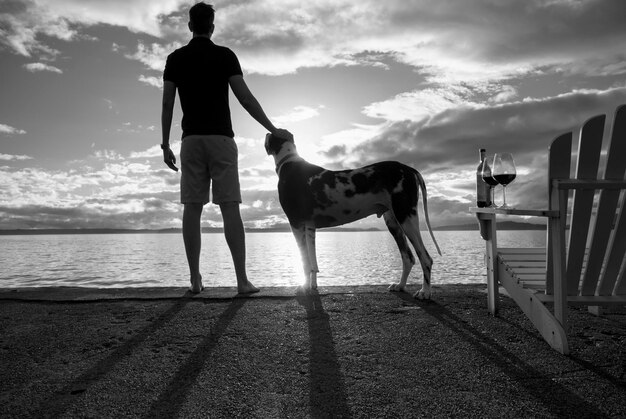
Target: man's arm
x,y
252,106
167,111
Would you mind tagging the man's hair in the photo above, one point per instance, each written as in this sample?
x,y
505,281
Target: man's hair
x,y
201,16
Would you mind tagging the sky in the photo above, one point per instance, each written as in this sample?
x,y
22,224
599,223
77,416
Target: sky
x,y
426,83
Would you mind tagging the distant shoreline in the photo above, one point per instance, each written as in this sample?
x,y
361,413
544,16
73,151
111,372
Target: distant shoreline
x,y
506,225
205,230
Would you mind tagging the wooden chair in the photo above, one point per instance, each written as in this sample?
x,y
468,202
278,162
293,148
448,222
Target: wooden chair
x,y
584,258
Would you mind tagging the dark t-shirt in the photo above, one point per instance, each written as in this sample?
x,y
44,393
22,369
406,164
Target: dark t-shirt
x,y
201,71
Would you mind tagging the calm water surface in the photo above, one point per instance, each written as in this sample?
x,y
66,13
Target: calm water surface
x,y
140,260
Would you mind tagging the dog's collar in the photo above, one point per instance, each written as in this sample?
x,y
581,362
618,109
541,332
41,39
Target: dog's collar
x,y
285,160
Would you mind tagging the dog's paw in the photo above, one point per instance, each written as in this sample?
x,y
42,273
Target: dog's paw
x,y
422,295
396,288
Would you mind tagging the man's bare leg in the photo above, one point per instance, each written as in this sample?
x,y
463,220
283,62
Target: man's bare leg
x,y
192,239
236,240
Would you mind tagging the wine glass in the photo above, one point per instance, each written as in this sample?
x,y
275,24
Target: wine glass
x,y
503,171
489,180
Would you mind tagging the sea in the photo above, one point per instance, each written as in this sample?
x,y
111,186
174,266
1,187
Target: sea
x,y
273,259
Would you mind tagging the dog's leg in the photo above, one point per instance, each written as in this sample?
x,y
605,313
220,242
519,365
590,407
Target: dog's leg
x,y
300,235
305,238
411,228
312,255
408,260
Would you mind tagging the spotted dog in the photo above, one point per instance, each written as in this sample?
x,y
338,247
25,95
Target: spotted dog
x,y
313,197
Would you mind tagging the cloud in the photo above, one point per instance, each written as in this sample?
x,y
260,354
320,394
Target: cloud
x,y
111,189
12,157
110,155
506,94
473,62
35,67
458,41
418,104
299,113
153,55
152,81
105,190
108,191
23,21
155,151
444,146
135,191
118,213
450,138
468,42
7,129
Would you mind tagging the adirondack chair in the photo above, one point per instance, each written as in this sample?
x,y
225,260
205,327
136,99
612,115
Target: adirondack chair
x,y
584,259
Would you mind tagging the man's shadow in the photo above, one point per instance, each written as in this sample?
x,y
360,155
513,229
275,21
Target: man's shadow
x,y
327,396
175,394
59,402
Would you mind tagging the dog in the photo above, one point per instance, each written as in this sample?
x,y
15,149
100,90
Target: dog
x,y
313,197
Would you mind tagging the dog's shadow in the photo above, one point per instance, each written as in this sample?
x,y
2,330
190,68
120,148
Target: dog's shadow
x,y
539,384
327,396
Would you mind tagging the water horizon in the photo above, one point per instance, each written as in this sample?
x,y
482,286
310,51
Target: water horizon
x,y
158,260
279,228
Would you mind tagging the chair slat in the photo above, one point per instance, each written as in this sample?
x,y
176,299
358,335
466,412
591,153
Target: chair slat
x,y
611,281
534,285
559,166
530,276
534,281
615,169
536,258
526,264
530,270
620,286
522,250
589,148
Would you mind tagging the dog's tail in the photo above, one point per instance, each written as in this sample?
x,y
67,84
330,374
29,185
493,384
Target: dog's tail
x,y
422,186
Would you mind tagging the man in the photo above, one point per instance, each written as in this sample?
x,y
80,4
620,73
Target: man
x,y
202,72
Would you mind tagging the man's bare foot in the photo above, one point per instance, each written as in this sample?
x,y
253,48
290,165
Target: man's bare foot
x,y
247,289
196,285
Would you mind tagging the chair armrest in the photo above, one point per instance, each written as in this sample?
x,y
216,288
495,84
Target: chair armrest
x,y
487,218
590,184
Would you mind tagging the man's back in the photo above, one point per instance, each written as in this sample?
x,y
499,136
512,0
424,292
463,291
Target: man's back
x,y
200,70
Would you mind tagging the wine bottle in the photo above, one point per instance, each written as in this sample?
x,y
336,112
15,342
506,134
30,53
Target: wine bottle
x,y
483,197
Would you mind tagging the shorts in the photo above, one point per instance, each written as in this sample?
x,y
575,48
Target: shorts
x,y
206,158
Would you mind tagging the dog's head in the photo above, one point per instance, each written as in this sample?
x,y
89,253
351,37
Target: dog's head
x,y
274,144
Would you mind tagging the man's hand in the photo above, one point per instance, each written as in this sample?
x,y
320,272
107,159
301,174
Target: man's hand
x,y
170,159
283,133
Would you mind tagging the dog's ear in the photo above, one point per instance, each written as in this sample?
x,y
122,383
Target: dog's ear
x,y
267,143
273,144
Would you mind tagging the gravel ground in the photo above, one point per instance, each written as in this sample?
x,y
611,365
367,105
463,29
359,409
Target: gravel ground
x,y
344,352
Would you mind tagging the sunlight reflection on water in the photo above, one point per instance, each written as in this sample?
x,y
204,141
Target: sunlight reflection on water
x,y
141,260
